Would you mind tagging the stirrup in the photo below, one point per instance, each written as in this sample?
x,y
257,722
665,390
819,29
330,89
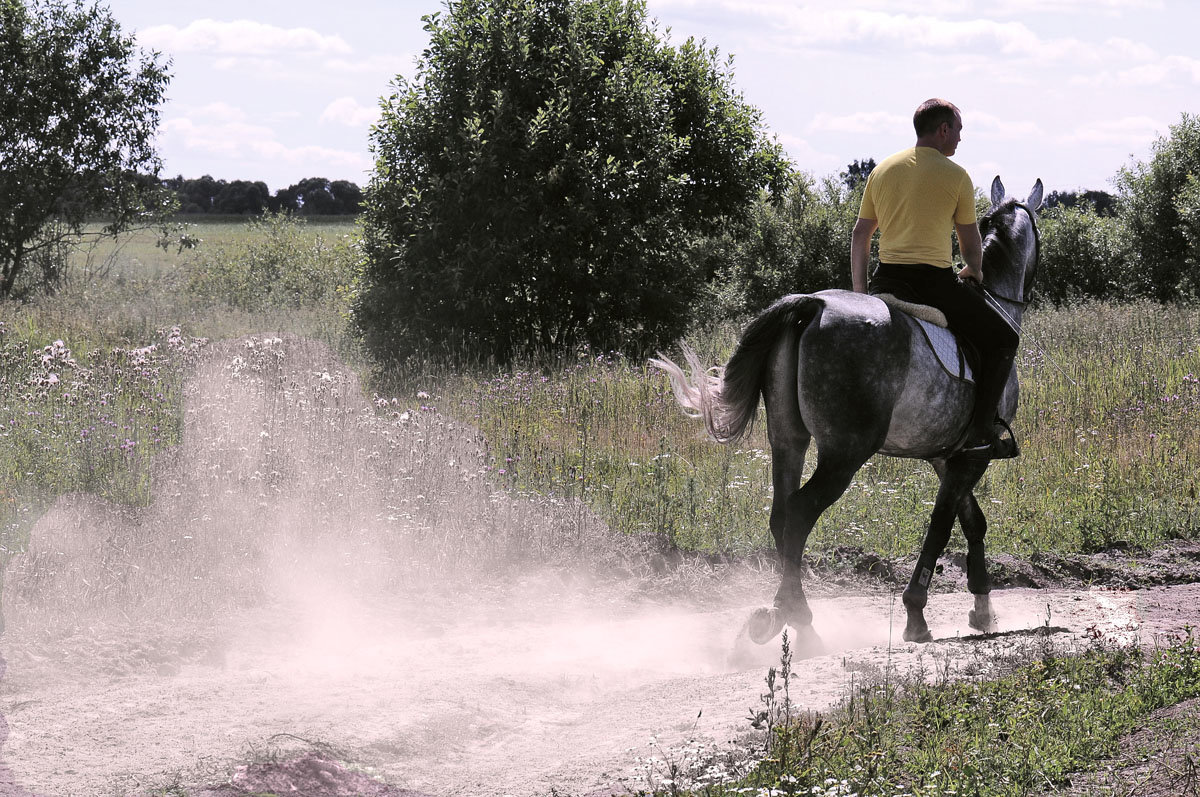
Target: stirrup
x,y
997,447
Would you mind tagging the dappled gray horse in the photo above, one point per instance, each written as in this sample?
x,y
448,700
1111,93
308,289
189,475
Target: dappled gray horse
x,y
859,377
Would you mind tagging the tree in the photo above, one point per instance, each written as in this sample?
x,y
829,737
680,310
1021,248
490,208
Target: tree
x,y
78,114
857,173
242,197
797,241
1102,202
538,183
316,196
1150,198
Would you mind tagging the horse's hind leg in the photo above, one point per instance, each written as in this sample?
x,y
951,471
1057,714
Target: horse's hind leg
x,y
793,516
958,478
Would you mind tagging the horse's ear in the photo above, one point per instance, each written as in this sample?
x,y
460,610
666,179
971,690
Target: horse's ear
x,y
997,191
1035,196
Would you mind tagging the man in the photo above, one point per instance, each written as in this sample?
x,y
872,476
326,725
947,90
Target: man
x,y
914,198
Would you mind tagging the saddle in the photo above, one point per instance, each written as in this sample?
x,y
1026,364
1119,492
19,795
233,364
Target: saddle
x,y
958,359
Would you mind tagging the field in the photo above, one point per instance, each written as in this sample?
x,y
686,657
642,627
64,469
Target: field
x,y
167,481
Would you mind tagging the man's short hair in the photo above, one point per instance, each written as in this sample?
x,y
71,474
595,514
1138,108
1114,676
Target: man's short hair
x,y
931,114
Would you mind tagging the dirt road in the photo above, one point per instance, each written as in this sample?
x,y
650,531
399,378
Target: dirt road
x,y
522,696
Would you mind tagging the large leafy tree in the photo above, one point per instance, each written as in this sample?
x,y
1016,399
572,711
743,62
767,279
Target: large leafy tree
x,y
78,112
1154,206
540,180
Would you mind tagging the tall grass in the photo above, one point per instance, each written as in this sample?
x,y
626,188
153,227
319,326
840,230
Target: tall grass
x,y
1110,395
1040,716
1109,405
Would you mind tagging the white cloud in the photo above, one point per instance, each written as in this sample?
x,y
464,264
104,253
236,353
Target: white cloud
x,y
389,65
808,158
1134,131
1169,69
229,135
1113,7
863,122
997,127
240,37
347,111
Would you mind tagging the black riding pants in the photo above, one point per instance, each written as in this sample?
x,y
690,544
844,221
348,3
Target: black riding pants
x,y
967,311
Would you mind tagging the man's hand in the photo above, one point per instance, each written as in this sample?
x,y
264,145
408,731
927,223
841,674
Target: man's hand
x,y
972,273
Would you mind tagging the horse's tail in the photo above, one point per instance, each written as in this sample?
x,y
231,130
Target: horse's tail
x,y
727,398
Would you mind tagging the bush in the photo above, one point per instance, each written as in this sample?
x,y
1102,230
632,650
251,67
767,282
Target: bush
x,y
278,264
1083,256
1151,194
796,243
538,184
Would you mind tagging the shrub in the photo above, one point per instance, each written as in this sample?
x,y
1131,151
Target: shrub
x,y
798,242
1150,195
538,183
278,264
1083,256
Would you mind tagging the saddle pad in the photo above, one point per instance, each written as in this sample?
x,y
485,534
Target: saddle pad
x,y
946,347
921,311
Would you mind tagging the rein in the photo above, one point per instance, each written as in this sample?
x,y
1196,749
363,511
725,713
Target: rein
x,y
994,299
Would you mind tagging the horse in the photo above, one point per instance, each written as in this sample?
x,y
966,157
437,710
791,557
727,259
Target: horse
x,y
857,375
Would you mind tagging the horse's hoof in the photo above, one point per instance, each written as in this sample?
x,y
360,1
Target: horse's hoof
x,y
982,621
914,635
808,643
764,624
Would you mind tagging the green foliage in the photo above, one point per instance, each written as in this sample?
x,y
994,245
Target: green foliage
x,y
539,182
796,242
275,265
1014,735
1150,195
1187,204
1083,256
78,115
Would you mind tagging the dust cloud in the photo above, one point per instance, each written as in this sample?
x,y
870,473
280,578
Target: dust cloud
x,y
323,572
321,566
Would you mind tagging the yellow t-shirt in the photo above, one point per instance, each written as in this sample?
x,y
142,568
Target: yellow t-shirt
x,y
917,196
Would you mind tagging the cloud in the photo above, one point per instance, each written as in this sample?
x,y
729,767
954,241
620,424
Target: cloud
x,y
863,122
347,111
240,37
221,132
389,65
1169,69
1134,131
808,158
1110,7
992,126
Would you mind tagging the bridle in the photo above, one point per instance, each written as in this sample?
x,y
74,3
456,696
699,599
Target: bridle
x,y
1022,302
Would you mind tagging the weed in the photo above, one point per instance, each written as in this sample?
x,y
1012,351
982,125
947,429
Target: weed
x,y
1021,733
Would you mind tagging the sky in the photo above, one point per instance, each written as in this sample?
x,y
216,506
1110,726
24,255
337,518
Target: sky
x,y
1069,91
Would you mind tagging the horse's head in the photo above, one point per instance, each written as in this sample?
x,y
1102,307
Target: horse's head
x,y
1010,244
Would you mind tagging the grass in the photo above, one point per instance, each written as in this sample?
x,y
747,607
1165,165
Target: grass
x,y
92,400
1110,396
1106,426
1049,715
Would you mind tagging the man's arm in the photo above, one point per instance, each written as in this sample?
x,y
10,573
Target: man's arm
x,y
971,247
860,252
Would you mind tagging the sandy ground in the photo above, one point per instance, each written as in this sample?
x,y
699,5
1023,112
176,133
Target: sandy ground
x,y
441,703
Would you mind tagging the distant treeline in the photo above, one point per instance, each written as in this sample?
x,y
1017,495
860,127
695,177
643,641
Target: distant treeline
x,y
312,196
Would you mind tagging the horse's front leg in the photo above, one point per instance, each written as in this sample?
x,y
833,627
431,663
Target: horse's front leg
x,y
958,478
974,526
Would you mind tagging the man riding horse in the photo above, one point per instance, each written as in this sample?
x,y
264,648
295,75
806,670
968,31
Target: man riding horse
x,y
913,198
